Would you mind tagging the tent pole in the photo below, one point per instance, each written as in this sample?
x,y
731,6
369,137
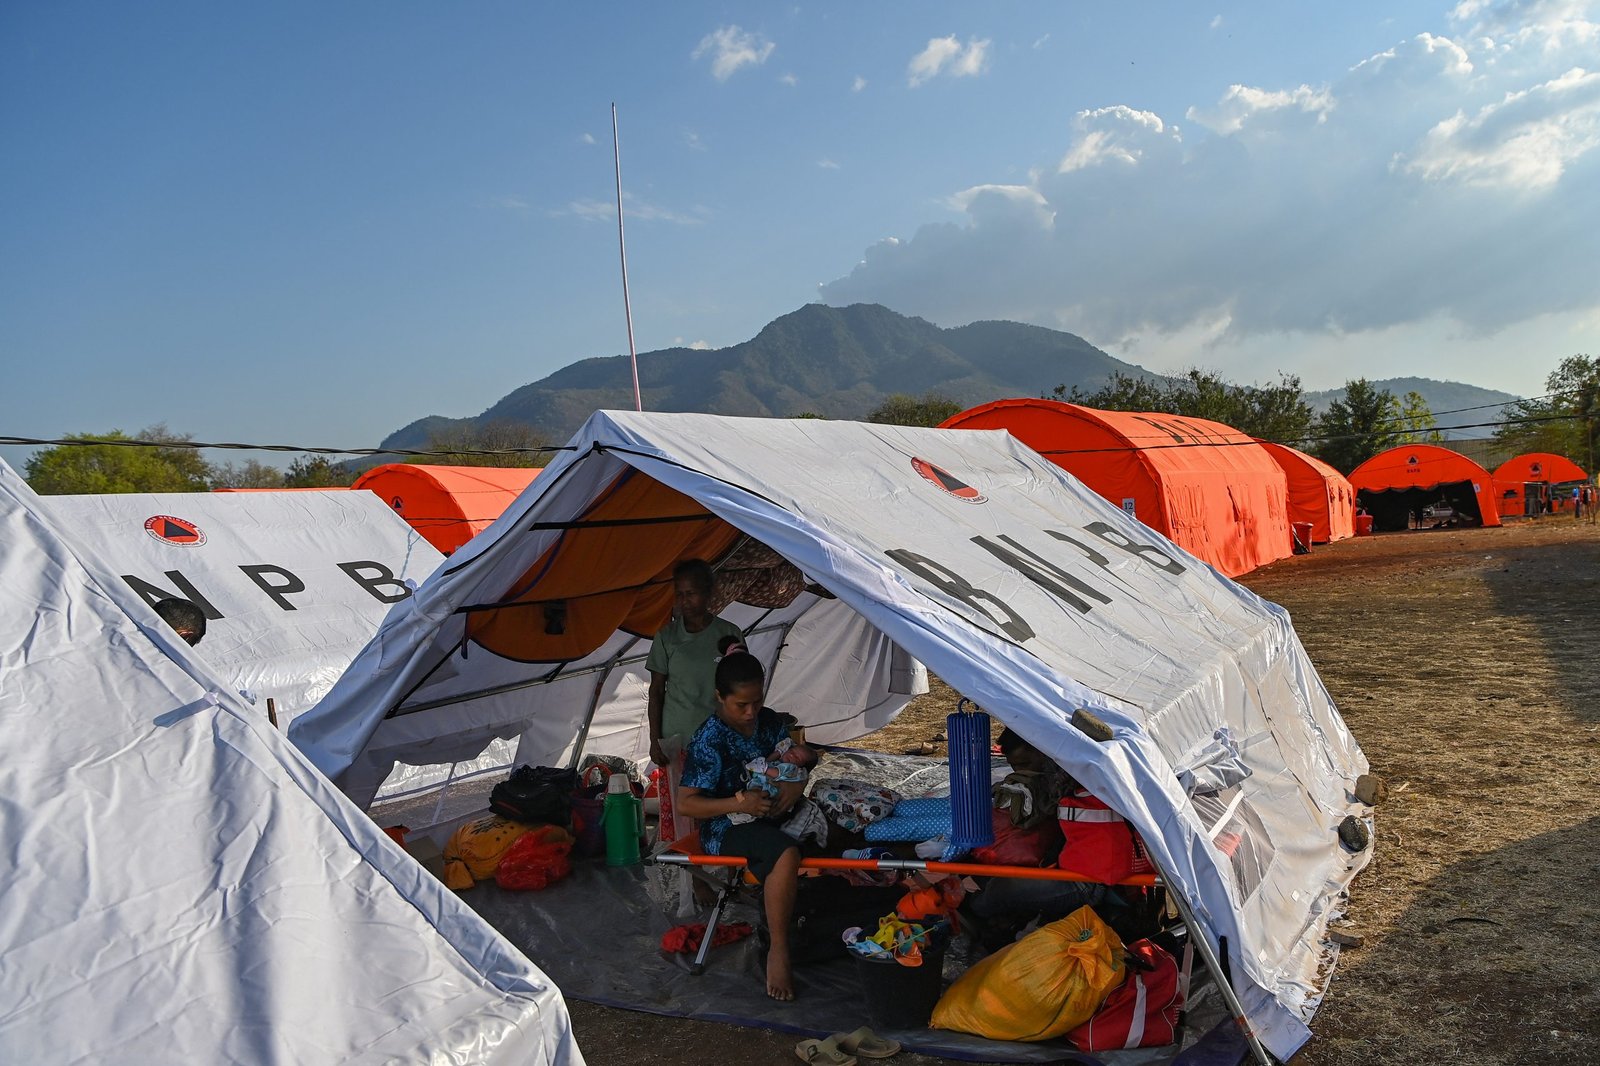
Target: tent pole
x,y
1198,937
594,703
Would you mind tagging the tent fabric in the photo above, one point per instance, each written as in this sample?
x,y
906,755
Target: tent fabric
x,y
185,886
1318,493
293,584
449,505
1529,468
1020,587
1395,482
1208,487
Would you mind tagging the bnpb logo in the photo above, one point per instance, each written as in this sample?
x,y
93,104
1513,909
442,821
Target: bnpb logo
x,y
170,530
947,482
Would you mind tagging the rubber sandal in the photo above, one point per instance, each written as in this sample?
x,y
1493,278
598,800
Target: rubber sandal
x,y
826,1052
868,1045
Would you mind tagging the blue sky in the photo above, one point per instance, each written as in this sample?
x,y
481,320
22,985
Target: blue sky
x,y
313,223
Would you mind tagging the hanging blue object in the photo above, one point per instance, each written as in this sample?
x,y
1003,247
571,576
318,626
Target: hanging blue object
x,y
971,817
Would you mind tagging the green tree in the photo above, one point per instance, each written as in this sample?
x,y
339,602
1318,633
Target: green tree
x,y
1417,422
1566,421
1276,412
1366,421
899,409
316,472
247,475
512,444
95,467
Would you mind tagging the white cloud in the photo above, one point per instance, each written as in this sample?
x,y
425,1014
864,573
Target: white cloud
x,y
1216,22
1040,43
699,346
789,79
514,204
692,139
1115,134
947,55
1525,141
586,138
827,164
731,48
1374,203
1241,103
638,211
859,84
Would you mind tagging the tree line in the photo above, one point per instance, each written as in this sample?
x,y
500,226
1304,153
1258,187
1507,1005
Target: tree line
x,y
1364,421
110,462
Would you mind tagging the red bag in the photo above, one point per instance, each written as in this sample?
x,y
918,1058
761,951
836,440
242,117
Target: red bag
x,y
539,857
1019,847
1140,1012
1099,843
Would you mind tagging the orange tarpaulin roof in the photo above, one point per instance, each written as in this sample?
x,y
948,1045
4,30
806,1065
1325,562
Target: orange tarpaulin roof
x,y
1318,493
1208,487
1426,469
448,505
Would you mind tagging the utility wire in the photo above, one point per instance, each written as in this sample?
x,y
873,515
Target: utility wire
x,y
129,443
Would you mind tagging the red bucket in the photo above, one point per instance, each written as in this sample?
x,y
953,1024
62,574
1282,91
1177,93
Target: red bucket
x,y
1363,525
1301,535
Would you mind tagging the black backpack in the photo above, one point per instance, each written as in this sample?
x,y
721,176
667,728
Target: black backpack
x,y
538,794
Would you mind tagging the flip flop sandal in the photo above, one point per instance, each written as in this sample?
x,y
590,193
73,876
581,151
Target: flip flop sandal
x,y
826,1052
867,1044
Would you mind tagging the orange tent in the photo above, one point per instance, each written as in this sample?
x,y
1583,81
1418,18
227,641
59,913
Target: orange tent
x,y
1318,493
1210,489
1545,468
448,505
1397,484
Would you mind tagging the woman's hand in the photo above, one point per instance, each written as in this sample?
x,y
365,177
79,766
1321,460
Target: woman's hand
x,y
753,802
658,754
789,793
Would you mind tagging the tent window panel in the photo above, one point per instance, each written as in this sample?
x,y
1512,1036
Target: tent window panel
x,y
1237,831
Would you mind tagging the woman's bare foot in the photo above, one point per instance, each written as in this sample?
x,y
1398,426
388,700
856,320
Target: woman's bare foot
x,y
780,980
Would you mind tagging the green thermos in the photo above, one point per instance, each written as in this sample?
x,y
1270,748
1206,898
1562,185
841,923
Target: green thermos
x,y
623,818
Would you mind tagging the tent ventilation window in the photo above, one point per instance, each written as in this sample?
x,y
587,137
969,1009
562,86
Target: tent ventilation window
x,y
1236,830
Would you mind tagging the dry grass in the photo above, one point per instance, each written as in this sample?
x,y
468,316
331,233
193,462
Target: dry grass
x,y
1463,662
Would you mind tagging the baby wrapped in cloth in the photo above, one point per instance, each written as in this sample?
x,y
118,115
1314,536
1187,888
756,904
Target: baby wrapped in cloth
x,y
789,763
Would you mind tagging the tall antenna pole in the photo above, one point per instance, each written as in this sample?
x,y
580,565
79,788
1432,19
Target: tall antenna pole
x,y
622,247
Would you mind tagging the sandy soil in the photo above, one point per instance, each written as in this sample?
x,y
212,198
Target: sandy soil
x,y
1463,662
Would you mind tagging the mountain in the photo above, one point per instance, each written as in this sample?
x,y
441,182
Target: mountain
x,y
1453,403
839,362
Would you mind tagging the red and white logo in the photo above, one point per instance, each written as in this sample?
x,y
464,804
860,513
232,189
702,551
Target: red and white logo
x,y
947,482
170,530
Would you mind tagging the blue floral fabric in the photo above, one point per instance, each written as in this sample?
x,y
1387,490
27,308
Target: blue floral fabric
x,y
714,763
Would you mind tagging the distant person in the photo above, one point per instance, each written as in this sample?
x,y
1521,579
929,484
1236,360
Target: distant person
x,y
186,619
683,659
1577,501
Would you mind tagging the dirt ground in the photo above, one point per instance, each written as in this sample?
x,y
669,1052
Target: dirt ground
x,y
1463,662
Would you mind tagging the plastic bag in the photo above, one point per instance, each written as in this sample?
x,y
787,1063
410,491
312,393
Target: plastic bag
x,y
1043,986
1015,846
537,858
474,850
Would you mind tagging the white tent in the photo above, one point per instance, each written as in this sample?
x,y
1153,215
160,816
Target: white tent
x,y
293,584
184,887
1021,588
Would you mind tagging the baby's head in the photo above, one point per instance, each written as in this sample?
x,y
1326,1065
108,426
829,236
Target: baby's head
x,y
799,755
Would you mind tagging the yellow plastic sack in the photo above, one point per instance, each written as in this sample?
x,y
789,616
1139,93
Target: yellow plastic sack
x,y
1043,986
475,849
